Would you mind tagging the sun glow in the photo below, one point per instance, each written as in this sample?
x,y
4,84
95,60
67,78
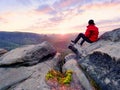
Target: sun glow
x,y
47,16
63,32
63,29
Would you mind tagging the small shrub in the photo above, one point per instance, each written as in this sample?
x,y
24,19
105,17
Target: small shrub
x,y
62,78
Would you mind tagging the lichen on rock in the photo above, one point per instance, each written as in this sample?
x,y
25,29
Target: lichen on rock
x,y
61,78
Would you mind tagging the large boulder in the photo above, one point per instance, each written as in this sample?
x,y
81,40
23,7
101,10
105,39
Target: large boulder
x,y
15,75
37,80
26,78
28,55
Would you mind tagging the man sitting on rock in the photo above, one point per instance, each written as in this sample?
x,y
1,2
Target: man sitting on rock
x,y
90,36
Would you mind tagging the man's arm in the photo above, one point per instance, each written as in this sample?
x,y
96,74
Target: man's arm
x,y
87,33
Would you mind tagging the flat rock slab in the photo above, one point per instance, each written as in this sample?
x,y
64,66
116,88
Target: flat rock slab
x,y
28,55
11,76
37,79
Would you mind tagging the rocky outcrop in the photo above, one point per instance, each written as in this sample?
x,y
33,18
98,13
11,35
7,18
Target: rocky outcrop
x,y
2,51
101,60
79,78
36,81
28,55
113,36
14,75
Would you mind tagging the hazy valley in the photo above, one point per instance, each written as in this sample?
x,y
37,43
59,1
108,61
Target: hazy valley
x,y
11,40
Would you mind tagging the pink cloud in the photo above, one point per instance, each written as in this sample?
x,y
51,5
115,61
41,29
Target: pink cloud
x,y
44,9
100,5
66,3
3,19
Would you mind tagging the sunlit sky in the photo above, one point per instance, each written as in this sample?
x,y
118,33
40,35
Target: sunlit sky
x,y
58,16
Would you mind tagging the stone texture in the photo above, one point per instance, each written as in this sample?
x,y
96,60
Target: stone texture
x,y
113,36
2,51
11,76
71,64
113,50
28,55
103,69
37,80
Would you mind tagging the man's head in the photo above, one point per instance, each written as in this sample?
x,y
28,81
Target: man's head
x,y
91,22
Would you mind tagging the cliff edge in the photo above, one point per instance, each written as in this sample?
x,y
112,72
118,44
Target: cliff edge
x,y
101,60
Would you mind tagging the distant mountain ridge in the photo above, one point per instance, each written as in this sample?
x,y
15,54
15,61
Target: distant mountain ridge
x,y
11,40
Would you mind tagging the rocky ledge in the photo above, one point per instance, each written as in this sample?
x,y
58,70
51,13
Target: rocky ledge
x,y
101,60
24,68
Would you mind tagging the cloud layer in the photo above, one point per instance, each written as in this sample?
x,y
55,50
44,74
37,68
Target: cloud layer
x,y
58,16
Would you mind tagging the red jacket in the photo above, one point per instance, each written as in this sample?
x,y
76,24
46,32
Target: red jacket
x,y
92,32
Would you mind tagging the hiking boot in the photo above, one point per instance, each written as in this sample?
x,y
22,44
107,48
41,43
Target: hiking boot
x,y
72,48
73,41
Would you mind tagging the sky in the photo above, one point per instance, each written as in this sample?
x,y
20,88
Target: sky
x,y
58,16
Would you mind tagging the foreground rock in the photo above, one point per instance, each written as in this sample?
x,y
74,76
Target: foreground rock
x,y
101,60
80,80
26,78
37,80
28,55
19,77
11,76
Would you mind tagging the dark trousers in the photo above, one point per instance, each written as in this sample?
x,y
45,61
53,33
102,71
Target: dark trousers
x,y
81,35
